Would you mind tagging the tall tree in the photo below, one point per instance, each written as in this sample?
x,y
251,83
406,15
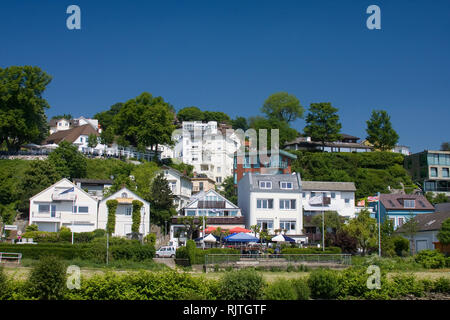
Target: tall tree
x,y
190,114
445,146
286,133
106,118
282,106
364,229
229,191
22,107
162,206
380,132
218,116
68,161
92,140
240,123
322,123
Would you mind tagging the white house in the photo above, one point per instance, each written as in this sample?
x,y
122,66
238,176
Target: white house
x,y
124,211
63,204
59,125
337,196
273,202
180,185
208,148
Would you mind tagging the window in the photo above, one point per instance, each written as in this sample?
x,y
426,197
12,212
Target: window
x,y
265,224
313,194
74,209
247,162
287,225
124,195
409,204
190,212
201,186
219,179
445,172
219,169
347,200
433,172
287,204
265,184
44,208
333,195
264,203
81,139
286,185
304,194
83,209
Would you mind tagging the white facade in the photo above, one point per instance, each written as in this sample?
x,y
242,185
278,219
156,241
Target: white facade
x,y
61,124
207,148
124,213
272,202
343,202
180,185
59,206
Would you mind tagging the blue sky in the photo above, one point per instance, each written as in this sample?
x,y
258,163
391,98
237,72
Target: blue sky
x,y
231,55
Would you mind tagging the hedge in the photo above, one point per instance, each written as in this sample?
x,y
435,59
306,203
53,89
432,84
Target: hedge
x,y
329,250
197,255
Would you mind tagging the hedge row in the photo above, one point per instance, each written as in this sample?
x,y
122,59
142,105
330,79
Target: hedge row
x,y
197,256
329,250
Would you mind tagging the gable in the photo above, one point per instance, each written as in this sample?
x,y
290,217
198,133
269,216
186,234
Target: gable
x,y
203,197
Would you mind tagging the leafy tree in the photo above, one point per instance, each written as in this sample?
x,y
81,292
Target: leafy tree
x,y
435,199
411,227
106,118
240,123
22,107
380,132
40,175
218,116
190,114
64,116
322,123
107,136
162,206
364,229
144,121
192,224
286,133
343,240
332,221
111,221
229,191
445,146
143,177
68,161
92,140
186,169
444,234
48,279
8,213
387,241
219,232
283,107
136,215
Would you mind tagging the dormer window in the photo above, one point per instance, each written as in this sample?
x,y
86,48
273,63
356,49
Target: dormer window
x,y
409,204
265,184
286,185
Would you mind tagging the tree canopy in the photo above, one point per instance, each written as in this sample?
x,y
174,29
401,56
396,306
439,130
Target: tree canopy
x,y
364,229
445,146
282,106
22,107
286,133
380,132
322,123
68,161
190,114
444,234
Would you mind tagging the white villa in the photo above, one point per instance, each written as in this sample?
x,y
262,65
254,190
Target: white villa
x,y
124,213
180,185
63,204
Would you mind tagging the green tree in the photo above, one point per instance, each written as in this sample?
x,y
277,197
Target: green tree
x,y
286,133
380,132
162,205
229,191
218,116
283,107
143,178
92,140
333,222
145,121
63,116
68,161
444,234
22,107
106,118
445,146
111,222
387,239
411,227
192,224
322,123
240,123
190,114
435,199
364,229
136,215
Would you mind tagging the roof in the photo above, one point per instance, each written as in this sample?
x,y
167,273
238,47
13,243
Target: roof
x,y
395,202
254,182
428,221
443,207
93,181
328,185
178,172
70,135
347,136
54,122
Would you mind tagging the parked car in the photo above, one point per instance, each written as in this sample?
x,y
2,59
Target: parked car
x,y
165,252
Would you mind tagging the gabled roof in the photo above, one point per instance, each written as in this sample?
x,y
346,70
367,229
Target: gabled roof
x,y
395,202
177,172
202,194
124,189
70,135
328,186
428,221
56,183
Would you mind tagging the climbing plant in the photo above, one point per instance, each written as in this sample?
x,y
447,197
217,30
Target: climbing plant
x,y
136,215
111,224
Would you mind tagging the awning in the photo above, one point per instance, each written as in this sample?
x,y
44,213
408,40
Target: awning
x,y
241,237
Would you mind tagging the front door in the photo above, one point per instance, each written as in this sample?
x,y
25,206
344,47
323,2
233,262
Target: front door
x,y
53,211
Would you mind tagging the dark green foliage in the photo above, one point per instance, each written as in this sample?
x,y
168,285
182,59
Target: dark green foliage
x,y
22,106
136,215
380,132
286,133
98,233
47,280
283,107
401,245
444,234
323,284
430,259
68,161
229,191
240,123
403,285
162,206
370,171
190,114
442,285
322,123
243,284
111,224
301,288
31,227
218,116
280,289
329,250
106,118
184,168
3,284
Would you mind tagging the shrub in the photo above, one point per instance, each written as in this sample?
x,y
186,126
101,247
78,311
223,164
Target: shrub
x,y
301,288
328,250
48,279
99,233
442,285
401,245
430,259
407,284
31,227
3,284
150,239
281,289
243,284
323,284
190,249
83,237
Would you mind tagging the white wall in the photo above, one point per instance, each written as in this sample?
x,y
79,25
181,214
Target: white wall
x,y
337,204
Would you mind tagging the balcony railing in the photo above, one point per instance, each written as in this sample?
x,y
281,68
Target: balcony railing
x,y
48,215
63,197
204,204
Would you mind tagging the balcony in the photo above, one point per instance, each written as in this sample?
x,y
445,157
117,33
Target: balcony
x,y
46,216
204,204
64,197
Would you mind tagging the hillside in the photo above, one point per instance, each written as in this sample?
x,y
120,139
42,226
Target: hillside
x,y
371,172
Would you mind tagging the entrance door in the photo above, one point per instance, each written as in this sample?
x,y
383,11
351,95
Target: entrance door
x,y
53,211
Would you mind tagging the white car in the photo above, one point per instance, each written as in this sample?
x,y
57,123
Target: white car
x,y
165,252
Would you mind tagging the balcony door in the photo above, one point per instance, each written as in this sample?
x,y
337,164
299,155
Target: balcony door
x,y
53,211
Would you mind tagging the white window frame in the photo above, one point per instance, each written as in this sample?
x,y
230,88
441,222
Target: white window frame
x,y
267,185
289,202
285,187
